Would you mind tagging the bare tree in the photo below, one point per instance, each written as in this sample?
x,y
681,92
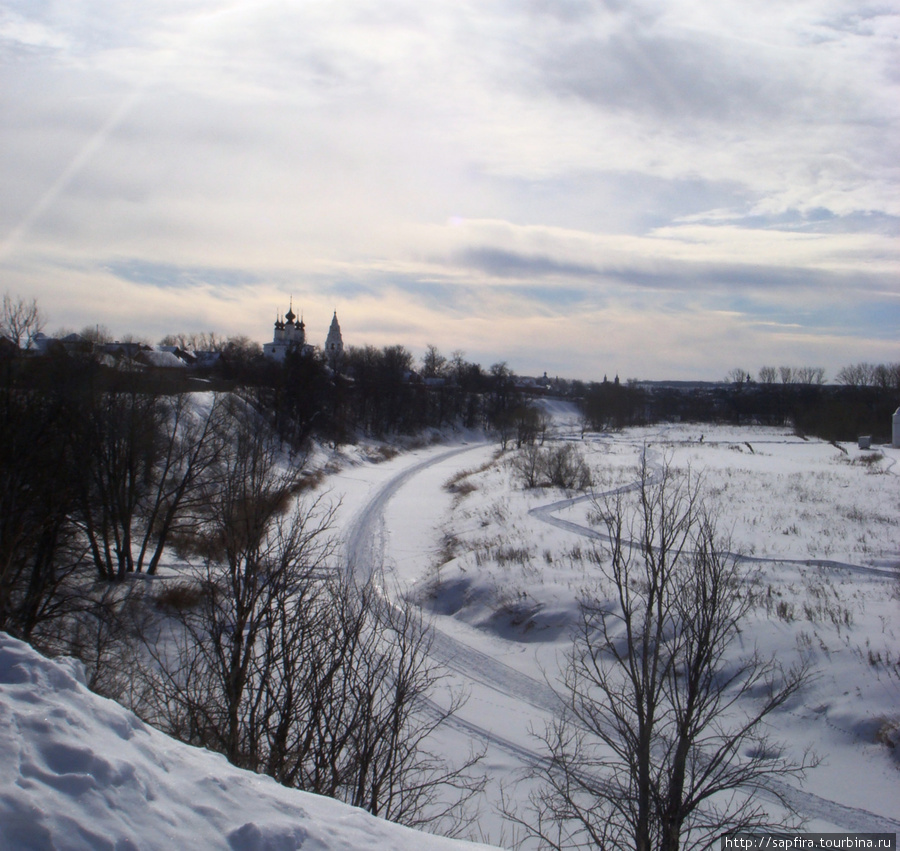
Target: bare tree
x,y
196,341
20,320
191,441
253,556
287,667
97,333
787,374
809,375
856,375
662,741
884,376
143,461
529,423
565,467
768,374
528,465
738,376
434,364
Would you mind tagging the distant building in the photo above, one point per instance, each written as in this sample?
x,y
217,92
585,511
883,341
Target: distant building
x,y
128,350
44,345
75,344
290,336
334,344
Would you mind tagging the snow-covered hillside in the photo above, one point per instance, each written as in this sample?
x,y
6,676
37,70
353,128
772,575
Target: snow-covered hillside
x,y
81,772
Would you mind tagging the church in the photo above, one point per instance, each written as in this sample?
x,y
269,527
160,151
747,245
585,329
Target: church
x,y
290,336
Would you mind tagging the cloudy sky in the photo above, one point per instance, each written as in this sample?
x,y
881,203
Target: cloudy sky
x,y
654,188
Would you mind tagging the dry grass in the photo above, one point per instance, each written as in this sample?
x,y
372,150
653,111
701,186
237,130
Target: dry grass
x,y
888,734
459,482
179,596
381,453
310,481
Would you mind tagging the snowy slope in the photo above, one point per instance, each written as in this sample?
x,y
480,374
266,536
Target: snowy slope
x,y
81,772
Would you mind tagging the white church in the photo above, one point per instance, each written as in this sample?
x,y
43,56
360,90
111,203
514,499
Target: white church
x,y
290,336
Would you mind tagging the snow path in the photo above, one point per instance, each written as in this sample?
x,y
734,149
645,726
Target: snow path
x,y
366,542
365,538
366,557
546,514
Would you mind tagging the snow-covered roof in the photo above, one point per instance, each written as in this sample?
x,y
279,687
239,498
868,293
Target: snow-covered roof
x,y
207,358
162,360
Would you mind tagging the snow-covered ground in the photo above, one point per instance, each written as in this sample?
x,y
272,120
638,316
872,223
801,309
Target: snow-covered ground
x,y
499,569
80,773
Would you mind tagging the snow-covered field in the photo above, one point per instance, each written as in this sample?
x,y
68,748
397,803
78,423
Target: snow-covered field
x,y
499,569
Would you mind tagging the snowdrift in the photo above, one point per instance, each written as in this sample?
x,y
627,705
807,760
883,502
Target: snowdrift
x,y
81,772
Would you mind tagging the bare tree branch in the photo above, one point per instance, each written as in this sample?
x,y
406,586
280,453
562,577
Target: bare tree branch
x,y
662,742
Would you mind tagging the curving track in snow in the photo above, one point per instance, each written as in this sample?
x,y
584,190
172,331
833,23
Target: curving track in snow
x,y
365,552
546,513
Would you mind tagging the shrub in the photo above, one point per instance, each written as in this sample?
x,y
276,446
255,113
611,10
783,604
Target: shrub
x,y
561,466
179,597
566,468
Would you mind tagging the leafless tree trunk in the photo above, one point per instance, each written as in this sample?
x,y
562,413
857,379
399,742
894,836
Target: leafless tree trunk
x,y
528,464
117,455
768,374
144,462
809,375
192,442
662,743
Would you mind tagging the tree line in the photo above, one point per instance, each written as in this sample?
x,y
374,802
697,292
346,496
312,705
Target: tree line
x,y
861,403
371,390
383,391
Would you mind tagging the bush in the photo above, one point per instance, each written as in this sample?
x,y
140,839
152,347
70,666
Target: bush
x,y
561,466
566,468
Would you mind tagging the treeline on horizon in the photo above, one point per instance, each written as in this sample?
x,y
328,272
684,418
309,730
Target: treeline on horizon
x,y
384,391
833,412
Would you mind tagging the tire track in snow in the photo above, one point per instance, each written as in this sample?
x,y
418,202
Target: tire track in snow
x,y
366,537
365,550
546,513
365,557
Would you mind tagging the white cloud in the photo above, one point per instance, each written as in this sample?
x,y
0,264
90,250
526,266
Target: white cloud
x,y
714,157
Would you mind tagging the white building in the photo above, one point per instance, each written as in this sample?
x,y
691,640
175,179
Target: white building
x,y
290,336
334,344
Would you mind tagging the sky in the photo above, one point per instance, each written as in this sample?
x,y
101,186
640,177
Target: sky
x,y
659,190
